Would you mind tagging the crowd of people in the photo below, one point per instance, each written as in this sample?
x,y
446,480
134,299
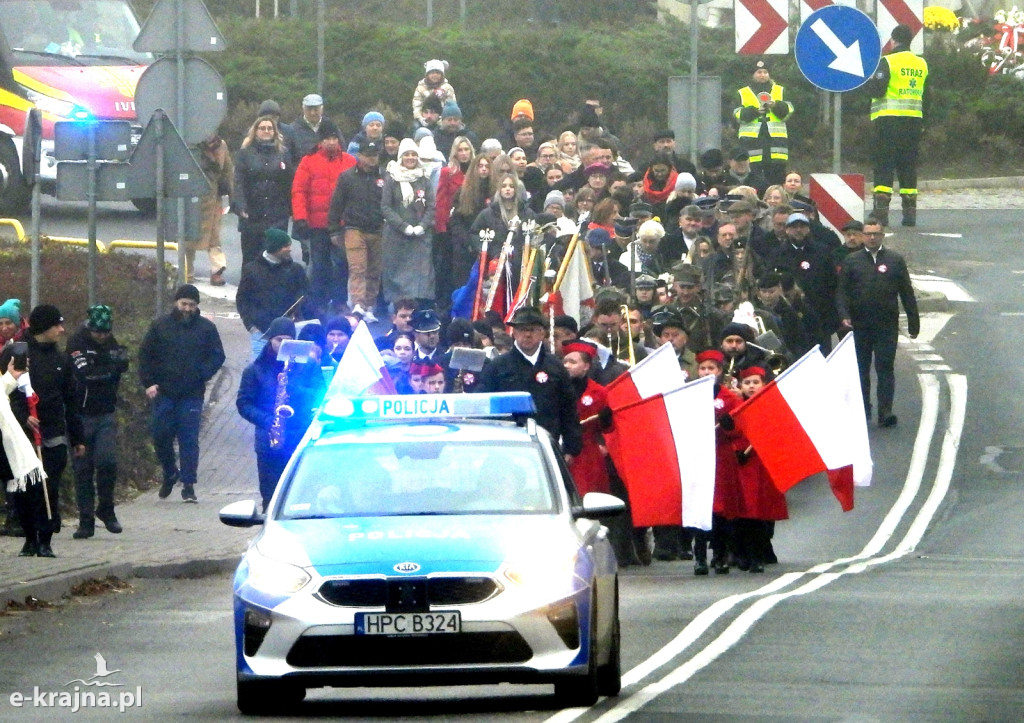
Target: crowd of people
x,y
728,263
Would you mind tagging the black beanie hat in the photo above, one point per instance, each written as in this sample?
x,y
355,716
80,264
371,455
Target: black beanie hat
x,y
338,323
281,326
187,291
43,318
328,129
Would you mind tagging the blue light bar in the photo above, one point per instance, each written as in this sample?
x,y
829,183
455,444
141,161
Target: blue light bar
x,y
427,406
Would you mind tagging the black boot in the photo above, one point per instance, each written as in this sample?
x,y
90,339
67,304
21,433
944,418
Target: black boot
x,y
700,554
909,209
86,528
881,210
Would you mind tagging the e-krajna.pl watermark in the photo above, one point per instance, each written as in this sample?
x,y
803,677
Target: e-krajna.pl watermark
x,y
75,700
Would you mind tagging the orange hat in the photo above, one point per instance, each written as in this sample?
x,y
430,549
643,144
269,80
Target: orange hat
x,y
522,107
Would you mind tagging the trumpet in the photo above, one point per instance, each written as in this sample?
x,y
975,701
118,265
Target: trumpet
x,y
770,344
629,335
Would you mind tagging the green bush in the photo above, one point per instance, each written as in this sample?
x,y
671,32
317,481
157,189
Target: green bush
x,y
125,282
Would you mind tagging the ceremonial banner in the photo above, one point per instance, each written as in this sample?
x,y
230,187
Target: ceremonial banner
x,y
844,378
796,427
664,449
658,372
361,370
576,289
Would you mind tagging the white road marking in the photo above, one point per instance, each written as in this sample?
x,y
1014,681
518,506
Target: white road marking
x,y
927,357
941,235
700,624
1011,313
935,368
941,285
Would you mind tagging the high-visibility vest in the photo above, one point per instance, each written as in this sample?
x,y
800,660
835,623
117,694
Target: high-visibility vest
x,y
907,76
776,126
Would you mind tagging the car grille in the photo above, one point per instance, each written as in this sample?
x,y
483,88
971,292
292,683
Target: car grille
x,y
402,594
316,651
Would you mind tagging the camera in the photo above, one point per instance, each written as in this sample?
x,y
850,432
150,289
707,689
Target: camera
x,y
19,350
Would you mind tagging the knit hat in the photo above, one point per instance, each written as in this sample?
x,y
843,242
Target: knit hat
x,y
737,329
451,110
269,107
11,309
274,239
44,317
489,145
685,182
100,318
661,135
420,134
564,321
328,129
441,66
338,323
281,326
599,237
313,332
407,145
187,291
522,107
555,198
371,117
760,65
712,158
588,117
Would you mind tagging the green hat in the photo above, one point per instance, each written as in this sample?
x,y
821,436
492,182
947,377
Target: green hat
x,y
100,318
11,309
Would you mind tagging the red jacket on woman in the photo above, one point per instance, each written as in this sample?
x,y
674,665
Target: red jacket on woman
x,y
448,186
314,183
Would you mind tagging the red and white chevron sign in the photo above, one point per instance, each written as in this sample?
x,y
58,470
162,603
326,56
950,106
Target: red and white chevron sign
x,y
839,197
890,13
809,6
762,27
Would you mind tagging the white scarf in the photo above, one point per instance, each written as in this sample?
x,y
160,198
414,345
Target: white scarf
x,y
21,455
405,176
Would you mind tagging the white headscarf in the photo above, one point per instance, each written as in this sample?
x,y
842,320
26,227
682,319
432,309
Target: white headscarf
x,y
21,456
405,176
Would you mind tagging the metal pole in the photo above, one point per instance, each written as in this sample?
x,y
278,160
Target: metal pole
x,y
430,13
293,8
36,211
694,37
180,123
837,131
161,271
90,197
320,22
462,11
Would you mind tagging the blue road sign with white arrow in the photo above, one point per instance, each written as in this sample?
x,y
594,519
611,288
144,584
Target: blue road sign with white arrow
x,y
838,48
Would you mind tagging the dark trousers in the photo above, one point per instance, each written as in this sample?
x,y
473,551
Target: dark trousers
x,y
444,277
329,269
31,504
270,465
896,145
774,171
177,419
96,470
879,342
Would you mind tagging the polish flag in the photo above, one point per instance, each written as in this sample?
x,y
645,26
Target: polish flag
x,y
576,290
799,427
361,370
658,372
844,378
664,449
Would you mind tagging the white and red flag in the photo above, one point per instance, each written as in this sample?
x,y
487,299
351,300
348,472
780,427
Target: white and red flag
x,y
844,377
576,288
798,426
663,447
361,370
658,372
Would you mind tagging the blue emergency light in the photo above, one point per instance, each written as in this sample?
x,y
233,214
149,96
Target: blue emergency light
x,y
427,406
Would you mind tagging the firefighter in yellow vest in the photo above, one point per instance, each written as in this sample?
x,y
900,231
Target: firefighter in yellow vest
x,y
897,91
761,116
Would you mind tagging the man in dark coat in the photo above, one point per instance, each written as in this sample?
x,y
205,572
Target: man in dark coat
x,y
529,367
179,354
271,284
55,417
872,284
98,362
606,268
275,437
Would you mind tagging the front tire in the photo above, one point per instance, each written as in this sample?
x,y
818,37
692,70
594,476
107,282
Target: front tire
x,y
268,697
609,675
14,194
582,691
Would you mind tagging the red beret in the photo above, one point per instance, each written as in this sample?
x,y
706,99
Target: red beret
x,y
711,355
753,372
583,347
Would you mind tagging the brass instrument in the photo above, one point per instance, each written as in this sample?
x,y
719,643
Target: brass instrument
x,y
282,411
729,377
777,362
629,335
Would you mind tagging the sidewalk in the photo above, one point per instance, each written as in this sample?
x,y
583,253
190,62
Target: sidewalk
x,y
162,538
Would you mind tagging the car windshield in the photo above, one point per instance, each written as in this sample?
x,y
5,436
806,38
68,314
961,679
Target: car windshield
x,y
418,478
54,32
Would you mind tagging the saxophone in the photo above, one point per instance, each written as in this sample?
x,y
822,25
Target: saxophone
x,y
282,412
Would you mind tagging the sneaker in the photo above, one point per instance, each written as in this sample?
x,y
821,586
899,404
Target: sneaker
x,y
188,493
367,315
217,277
167,486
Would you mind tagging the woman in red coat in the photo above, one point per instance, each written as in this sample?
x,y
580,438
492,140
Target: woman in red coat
x,y
449,183
588,467
763,504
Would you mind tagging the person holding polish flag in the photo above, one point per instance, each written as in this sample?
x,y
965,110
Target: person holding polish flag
x,y
361,370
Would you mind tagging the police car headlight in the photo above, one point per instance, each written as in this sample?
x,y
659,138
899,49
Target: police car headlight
x,y
539,574
276,577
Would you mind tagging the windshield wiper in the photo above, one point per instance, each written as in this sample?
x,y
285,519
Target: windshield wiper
x,y
70,60
111,56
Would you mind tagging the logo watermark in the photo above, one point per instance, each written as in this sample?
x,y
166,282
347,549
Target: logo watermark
x,y
85,693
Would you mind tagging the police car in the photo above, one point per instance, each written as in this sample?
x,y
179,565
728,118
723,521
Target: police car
x,y
417,540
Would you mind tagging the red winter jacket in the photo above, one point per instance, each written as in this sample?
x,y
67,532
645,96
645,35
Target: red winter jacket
x,y
314,184
447,189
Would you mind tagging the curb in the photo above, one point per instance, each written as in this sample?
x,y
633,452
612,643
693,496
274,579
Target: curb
x,y
58,587
961,184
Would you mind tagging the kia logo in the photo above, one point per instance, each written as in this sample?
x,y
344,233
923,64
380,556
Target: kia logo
x,y
407,567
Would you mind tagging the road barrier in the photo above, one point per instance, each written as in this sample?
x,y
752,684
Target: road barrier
x,y
103,248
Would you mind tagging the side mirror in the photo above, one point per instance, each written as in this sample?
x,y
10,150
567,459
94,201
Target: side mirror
x,y
598,505
242,514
